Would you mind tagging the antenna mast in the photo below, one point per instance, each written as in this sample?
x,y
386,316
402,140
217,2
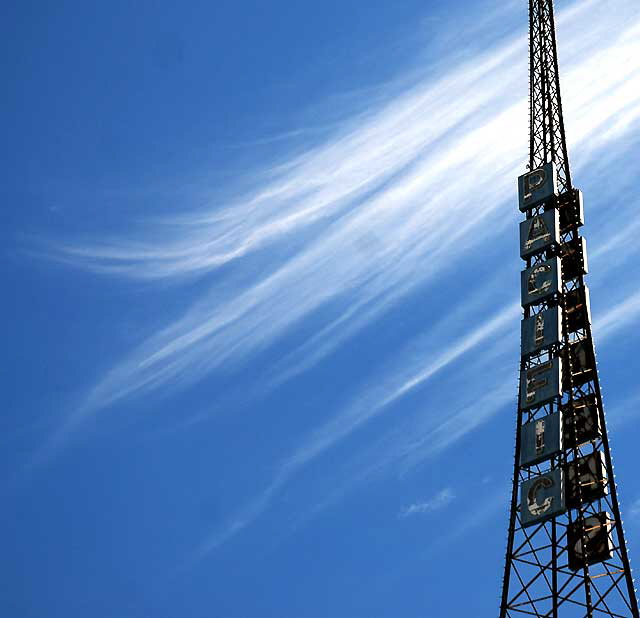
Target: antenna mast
x,y
566,553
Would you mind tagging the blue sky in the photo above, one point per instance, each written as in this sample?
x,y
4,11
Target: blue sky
x,y
262,318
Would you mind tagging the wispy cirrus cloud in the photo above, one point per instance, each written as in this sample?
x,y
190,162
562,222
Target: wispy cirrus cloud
x,y
391,202
419,437
618,316
441,500
634,510
427,433
385,205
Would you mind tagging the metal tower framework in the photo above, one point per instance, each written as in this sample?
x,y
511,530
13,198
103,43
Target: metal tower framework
x,y
566,553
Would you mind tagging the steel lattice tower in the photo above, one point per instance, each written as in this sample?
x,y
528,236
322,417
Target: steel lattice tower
x,y
566,553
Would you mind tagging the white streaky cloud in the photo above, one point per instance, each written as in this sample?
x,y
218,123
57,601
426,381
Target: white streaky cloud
x,y
617,317
391,202
491,328
424,435
320,184
627,411
240,520
622,243
441,500
427,435
400,195
481,513
414,450
374,252
603,104
384,390
430,433
410,371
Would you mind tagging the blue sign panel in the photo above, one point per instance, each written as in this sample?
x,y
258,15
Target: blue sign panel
x,y
541,498
540,439
541,330
540,281
539,232
537,186
540,384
